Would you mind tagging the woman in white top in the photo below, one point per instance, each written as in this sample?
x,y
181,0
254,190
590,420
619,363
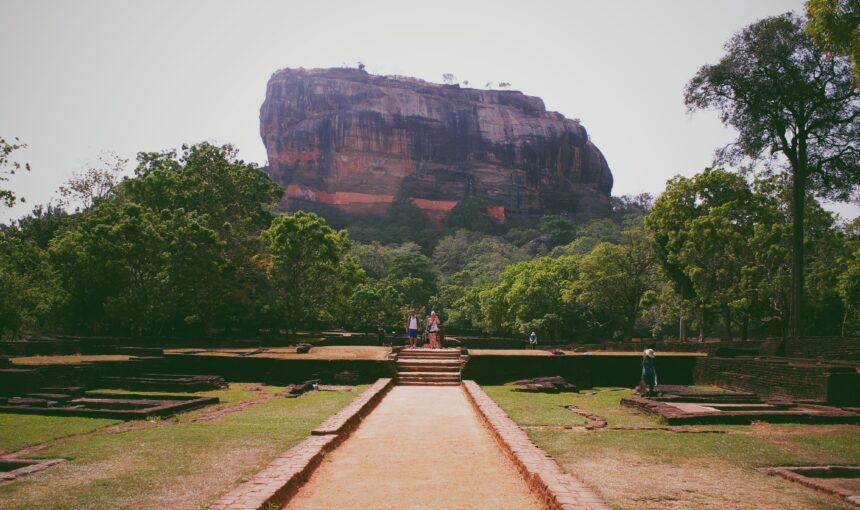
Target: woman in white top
x,y
412,329
433,326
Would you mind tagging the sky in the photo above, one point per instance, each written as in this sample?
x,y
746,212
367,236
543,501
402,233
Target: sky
x,y
81,77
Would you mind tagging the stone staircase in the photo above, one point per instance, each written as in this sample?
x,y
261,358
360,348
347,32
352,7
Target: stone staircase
x,y
429,367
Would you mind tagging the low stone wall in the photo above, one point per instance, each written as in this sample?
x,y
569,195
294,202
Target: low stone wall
x,y
278,482
280,371
832,348
19,379
546,479
775,378
584,371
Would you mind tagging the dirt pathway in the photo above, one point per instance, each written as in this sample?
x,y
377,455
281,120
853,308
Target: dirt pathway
x,y
423,447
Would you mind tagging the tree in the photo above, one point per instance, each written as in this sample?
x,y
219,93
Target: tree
x,y
614,282
94,183
376,258
848,287
310,270
9,167
127,269
785,97
208,179
835,26
471,213
375,304
701,227
529,296
449,79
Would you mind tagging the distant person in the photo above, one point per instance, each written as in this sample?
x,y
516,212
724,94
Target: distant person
x,y
649,373
380,335
425,337
433,325
412,329
533,341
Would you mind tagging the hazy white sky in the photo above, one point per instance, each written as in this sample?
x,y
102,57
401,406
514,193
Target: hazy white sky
x,y
79,77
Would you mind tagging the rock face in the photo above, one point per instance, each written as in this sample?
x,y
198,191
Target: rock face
x,y
346,139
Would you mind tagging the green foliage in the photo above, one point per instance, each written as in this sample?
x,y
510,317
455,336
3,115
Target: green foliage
x,y
376,258
311,271
129,269
10,167
785,97
615,282
94,183
471,213
209,180
529,296
28,283
561,230
848,287
834,25
374,304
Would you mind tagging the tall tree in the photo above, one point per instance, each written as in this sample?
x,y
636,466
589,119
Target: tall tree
x,y
785,97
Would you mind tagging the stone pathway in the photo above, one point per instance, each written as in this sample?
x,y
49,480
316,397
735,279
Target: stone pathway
x,y
423,447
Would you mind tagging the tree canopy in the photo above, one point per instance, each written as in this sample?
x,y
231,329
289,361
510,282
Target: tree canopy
x,y
785,97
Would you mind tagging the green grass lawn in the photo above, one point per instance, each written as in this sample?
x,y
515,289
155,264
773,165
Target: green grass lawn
x,y
22,430
659,469
180,464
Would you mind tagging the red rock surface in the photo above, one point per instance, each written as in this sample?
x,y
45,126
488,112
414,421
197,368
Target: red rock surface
x,y
347,139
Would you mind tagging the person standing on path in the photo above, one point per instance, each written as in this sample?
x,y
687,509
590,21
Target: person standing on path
x,y
412,328
433,326
533,341
649,373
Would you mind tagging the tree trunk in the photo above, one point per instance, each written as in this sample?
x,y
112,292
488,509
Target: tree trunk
x,y
795,327
702,325
630,327
682,326
745,328
844,320
727,321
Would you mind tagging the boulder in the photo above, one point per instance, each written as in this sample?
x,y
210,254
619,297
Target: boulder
x,y
346,140
552,384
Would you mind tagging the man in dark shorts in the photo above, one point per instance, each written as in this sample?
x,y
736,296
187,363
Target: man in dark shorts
x,y
412,328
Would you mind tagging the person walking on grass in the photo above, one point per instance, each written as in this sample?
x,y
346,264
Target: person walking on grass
x,y
649,373
433,325
412,329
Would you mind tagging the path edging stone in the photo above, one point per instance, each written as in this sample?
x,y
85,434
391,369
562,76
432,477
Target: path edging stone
x,y
279,481
556,489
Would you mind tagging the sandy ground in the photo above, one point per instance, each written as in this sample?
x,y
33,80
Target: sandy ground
x,y
539,352
423,447
363,352
67,360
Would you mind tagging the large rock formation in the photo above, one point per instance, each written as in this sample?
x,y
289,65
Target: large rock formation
x,y
357,142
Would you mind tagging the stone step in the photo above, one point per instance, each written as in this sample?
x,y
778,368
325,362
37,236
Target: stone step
x,y
427,368
428,360
427,356
430,352
429,375
425,383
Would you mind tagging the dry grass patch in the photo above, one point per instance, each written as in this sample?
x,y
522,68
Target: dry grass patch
x,y
334,352
186,465
509,352
659,469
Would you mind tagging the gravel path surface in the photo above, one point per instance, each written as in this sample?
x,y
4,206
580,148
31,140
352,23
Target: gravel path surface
x,y
423,447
